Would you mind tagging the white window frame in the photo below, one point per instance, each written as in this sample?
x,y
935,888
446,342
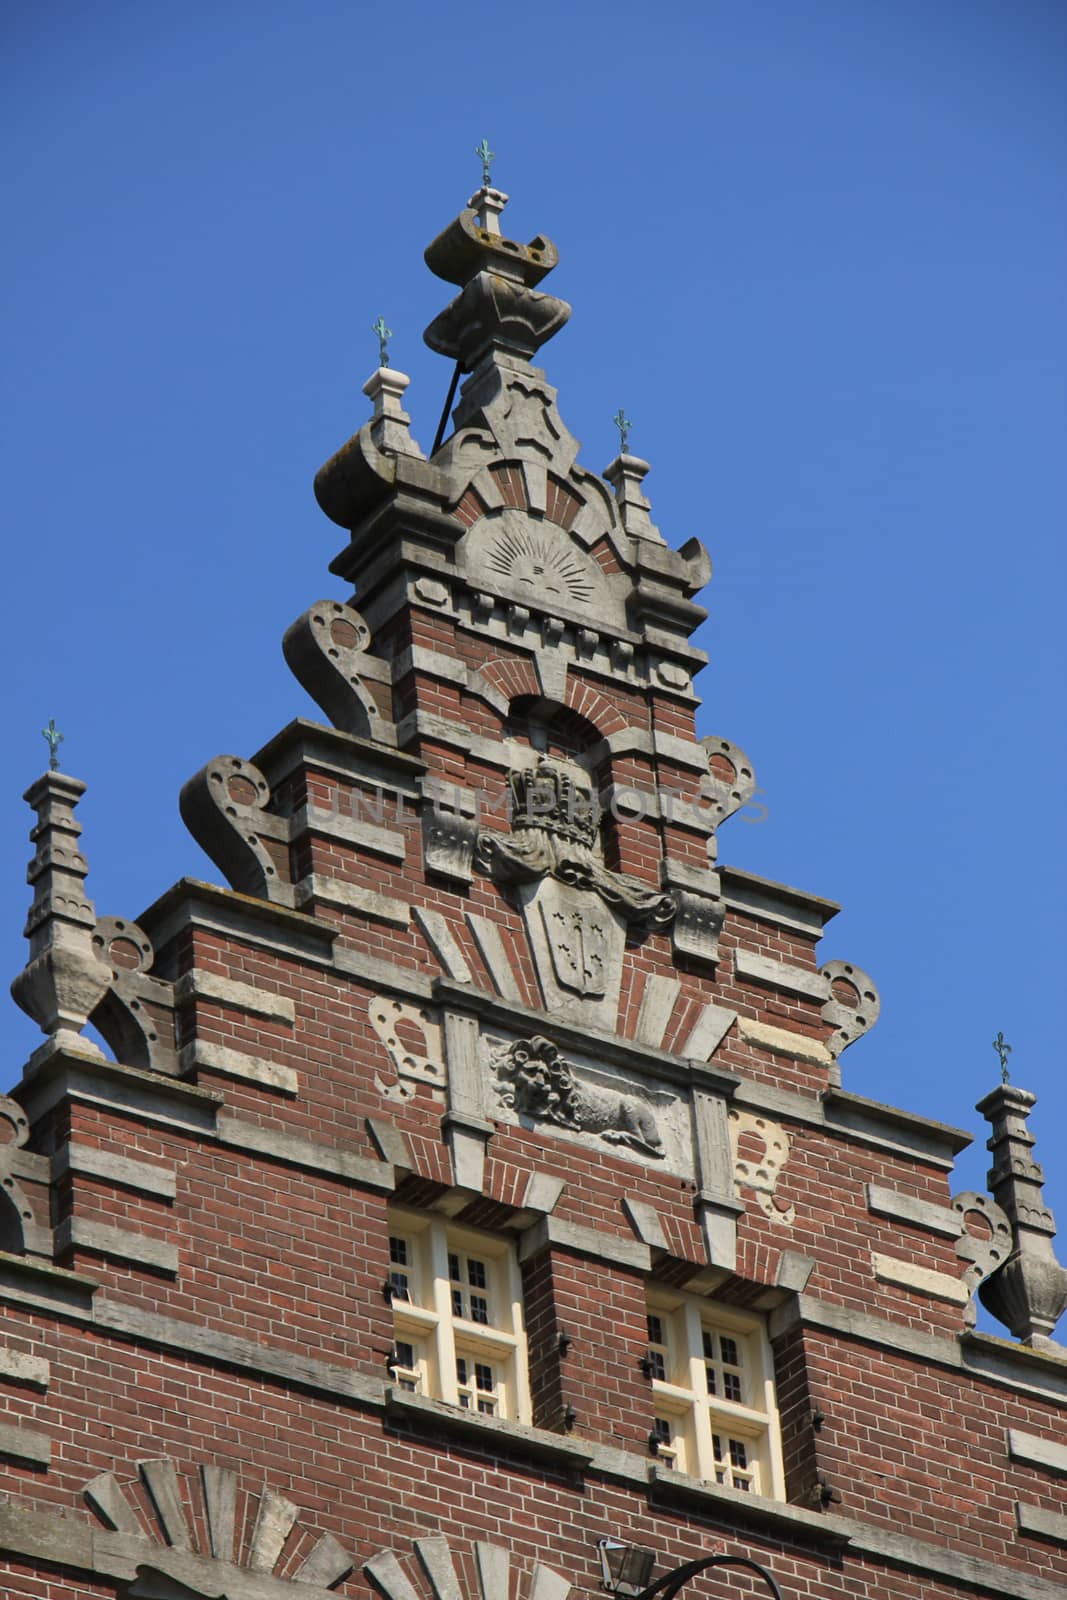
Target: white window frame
x,y
681,1398
428,1323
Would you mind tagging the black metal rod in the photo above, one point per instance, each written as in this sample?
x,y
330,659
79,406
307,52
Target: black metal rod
x,y
671,1582
448,407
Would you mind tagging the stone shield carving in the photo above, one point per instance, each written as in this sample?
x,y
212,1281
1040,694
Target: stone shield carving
x,y
582,940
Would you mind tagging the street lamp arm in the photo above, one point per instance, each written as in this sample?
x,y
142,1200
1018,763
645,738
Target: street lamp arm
x,y
671,1582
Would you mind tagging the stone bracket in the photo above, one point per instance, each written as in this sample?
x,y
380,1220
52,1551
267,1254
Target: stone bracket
x,y
697,925
136,1015
224,807
851,1008
327,651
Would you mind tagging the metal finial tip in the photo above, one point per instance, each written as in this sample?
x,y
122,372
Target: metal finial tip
x,y
53,738
383,335
486,157
623,423
1003,1051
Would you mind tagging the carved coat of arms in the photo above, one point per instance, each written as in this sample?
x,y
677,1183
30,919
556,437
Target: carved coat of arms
x,y
576,909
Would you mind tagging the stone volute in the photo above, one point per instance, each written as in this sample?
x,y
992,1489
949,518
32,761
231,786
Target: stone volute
x,y
65,978
1029,1293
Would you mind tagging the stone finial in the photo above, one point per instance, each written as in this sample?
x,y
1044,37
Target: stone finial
x,y
65,977
390,425
498,314
487,204
626,474
1029,1292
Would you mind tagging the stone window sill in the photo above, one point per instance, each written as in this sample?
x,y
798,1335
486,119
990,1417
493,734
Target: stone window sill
x,y
494,1433
673,1488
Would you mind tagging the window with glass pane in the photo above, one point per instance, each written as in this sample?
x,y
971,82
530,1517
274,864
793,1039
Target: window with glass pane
x,y
732,1465
723,1368
658,1354
469,1280
457,1316
405,1367
715,1415
401,1257
477,1385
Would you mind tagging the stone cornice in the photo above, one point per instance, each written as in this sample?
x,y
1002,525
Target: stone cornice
x,y
853,1114
1016,1367
192,903
40,1286
776,902
640,1059
92,1078
329,749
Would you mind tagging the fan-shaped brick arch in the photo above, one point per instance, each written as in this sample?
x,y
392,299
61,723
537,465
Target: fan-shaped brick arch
x,y
511,676
516,679
594,706
562,505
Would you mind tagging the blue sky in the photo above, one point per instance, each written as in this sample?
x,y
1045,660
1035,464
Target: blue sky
x,y
817,253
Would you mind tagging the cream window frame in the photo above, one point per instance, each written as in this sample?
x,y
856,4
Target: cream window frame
x,y
694,1415
427,1322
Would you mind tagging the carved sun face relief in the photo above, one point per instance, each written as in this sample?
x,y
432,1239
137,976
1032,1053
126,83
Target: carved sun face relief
x,y
541,566
541,562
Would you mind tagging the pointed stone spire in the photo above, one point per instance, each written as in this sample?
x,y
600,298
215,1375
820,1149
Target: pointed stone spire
x,y
65,978
391,425
1029,1292
626,474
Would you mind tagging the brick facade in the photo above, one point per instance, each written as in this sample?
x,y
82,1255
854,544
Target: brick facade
x,y
579,1046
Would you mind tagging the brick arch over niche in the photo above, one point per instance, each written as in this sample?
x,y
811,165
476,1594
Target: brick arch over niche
x,y
552,727
514,678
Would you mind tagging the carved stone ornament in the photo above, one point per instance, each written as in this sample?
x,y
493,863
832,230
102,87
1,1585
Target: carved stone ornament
x,y
852,1006
412,1036
326,649
224,806
233,1562
136,1016
18,1231
493,312
731,780
580,1099
1029,1292
982,1255
449,837
534,1081
575,908
761,1173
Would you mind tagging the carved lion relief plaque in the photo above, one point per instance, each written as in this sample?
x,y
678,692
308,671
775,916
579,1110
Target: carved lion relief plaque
x,y
534,1086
